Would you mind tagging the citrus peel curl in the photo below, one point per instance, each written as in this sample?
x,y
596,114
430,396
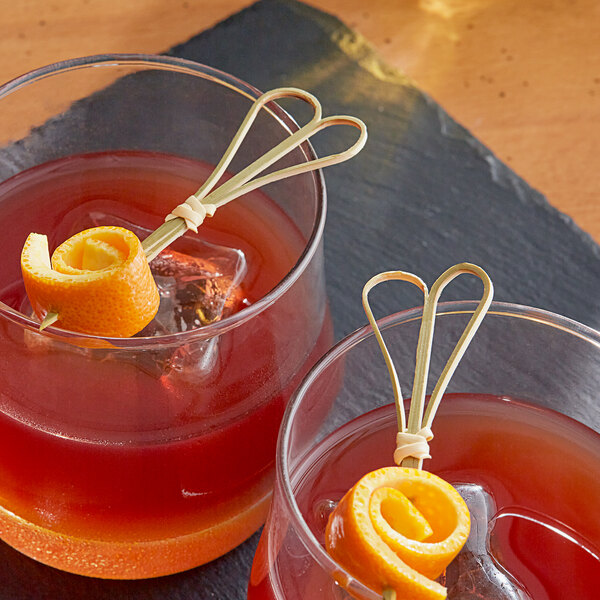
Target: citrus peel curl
x,y
98,281
398,529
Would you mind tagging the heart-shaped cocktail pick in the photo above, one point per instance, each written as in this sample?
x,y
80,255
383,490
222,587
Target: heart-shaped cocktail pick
x,y
51,287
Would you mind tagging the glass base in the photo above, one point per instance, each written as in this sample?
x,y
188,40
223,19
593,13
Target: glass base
x,y
133,559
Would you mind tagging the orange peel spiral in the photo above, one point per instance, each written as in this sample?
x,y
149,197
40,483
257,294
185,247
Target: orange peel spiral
x,y
98,282
398,529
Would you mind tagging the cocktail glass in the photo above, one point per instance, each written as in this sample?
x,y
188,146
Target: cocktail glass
x,y
516,433
138,457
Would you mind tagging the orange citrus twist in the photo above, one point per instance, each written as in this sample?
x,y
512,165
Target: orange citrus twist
x,y
398,529
99,281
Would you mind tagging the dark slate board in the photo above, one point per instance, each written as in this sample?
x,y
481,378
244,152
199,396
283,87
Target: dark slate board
x,y
423,195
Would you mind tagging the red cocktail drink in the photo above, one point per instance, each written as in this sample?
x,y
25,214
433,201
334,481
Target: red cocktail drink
x,y
535,468
149,455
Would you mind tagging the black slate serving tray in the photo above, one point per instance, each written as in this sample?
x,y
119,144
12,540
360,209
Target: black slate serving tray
x,y
423,195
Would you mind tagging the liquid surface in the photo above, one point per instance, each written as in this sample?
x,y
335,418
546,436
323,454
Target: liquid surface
x,y
539,468
66,196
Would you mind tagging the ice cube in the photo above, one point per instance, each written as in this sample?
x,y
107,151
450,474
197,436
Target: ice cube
x,y
199,283
475,573
196,290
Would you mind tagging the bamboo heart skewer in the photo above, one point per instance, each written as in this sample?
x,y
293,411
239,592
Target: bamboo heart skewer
x,y
191,213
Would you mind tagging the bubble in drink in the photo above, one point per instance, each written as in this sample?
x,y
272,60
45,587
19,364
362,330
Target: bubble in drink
x,y
321,511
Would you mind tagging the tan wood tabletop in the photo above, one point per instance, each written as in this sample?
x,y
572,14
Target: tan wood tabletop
x,y
522,75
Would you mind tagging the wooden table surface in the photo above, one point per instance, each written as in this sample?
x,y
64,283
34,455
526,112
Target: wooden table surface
x,y
523,76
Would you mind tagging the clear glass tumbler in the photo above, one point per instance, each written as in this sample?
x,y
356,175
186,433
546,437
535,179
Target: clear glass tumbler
x,y
139,457
517,433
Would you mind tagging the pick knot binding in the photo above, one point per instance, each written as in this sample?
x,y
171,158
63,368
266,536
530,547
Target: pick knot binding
x,y
193,212
412,444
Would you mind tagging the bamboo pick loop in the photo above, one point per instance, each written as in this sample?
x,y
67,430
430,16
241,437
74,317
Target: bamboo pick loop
x,y
204,202
413,437
467,335
374,281
249,119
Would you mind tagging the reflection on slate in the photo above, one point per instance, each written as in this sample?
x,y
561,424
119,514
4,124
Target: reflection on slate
x,y
424,194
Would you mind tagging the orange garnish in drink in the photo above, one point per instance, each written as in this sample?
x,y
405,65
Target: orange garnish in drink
x,y
398,529
98,282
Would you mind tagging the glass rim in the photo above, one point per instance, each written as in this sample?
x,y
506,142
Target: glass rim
x,y
285,120
504,309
